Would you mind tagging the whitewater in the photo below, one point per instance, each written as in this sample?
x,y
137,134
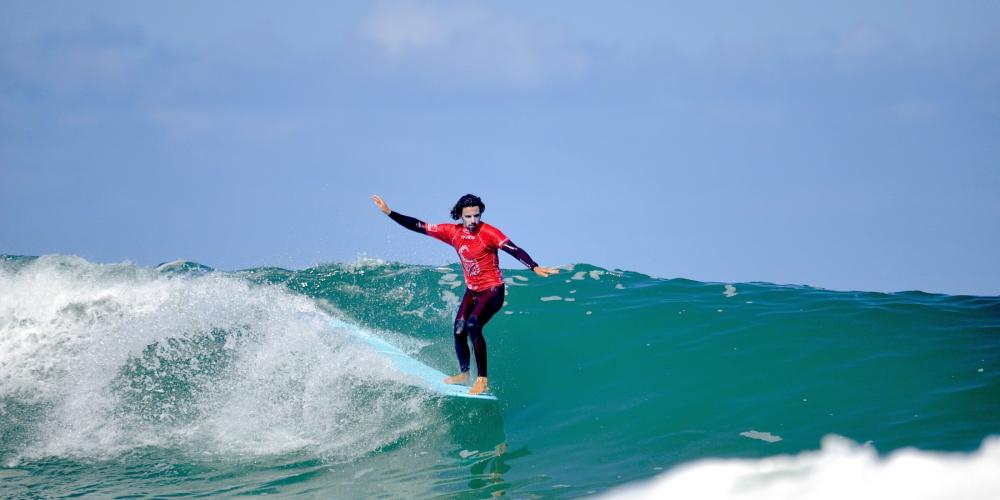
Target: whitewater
x,y
123,380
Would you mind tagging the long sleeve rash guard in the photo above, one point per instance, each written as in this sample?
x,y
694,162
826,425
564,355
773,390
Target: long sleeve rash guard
x,y
477,251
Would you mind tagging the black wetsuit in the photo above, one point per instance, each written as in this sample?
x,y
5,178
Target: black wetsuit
x,y
474,312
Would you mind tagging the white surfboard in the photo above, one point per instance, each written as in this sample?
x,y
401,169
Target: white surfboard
x,y
425,376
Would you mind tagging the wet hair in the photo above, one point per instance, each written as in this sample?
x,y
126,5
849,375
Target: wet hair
x,y
469,200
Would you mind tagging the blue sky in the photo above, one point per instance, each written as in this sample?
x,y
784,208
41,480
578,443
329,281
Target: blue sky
x,y
849,146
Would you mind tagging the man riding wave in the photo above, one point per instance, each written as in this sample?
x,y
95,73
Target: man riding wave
x,y
476,243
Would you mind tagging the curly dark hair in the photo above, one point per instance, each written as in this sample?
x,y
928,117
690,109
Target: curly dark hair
x,y
469,200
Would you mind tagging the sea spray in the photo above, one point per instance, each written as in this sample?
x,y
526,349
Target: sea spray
x,y
112,358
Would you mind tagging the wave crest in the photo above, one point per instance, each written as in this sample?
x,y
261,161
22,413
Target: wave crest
x,y
97,360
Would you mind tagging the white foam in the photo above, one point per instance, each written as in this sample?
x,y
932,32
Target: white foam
x,y
98,347
362,262
763,436
512,282
450,298
840,469
551,298
450,280
730,291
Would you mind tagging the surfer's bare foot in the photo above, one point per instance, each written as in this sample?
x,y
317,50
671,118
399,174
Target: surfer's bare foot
x,y
461,378
480,386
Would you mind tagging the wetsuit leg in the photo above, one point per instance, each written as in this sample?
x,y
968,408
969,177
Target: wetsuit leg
x,y
486,305
461,335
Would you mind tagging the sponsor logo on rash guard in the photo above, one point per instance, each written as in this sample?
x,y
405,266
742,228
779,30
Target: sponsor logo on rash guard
x,y
477,252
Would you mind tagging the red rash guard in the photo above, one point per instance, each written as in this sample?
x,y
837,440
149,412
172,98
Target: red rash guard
x,y
477,252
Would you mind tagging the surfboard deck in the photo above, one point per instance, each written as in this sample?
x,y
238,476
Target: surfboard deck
x,y
427,377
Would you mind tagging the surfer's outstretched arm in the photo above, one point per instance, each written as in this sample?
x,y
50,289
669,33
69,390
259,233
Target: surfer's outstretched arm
x,y
403,220
519,254
523,257
409,222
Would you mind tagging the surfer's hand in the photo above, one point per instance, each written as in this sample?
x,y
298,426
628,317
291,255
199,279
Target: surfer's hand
x,y
380,203
545,271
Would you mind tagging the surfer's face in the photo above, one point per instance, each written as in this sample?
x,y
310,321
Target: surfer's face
x,y
470,218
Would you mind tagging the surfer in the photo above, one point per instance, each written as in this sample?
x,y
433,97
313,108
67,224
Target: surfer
x,y
476,243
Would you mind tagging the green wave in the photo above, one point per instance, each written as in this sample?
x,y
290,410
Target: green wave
x,y
603,376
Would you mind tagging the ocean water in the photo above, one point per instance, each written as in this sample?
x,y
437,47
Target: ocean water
x,y
124,381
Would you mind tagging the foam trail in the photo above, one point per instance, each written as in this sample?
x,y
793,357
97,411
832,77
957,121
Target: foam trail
x,y
840,469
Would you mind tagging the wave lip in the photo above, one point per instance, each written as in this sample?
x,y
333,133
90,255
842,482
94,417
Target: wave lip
x,y
99,360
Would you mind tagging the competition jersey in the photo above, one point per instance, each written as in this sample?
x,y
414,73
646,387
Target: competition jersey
x,y
477,252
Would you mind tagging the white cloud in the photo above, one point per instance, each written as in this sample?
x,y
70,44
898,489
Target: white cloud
x,y
403,26
467,42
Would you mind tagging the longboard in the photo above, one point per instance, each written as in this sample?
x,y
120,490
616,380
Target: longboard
x,y
426,377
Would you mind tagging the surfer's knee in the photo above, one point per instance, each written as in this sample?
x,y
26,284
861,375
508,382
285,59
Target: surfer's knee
x,y
460,326
472,326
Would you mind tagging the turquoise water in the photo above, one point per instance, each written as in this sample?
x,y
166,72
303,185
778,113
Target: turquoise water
x,y
120,380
